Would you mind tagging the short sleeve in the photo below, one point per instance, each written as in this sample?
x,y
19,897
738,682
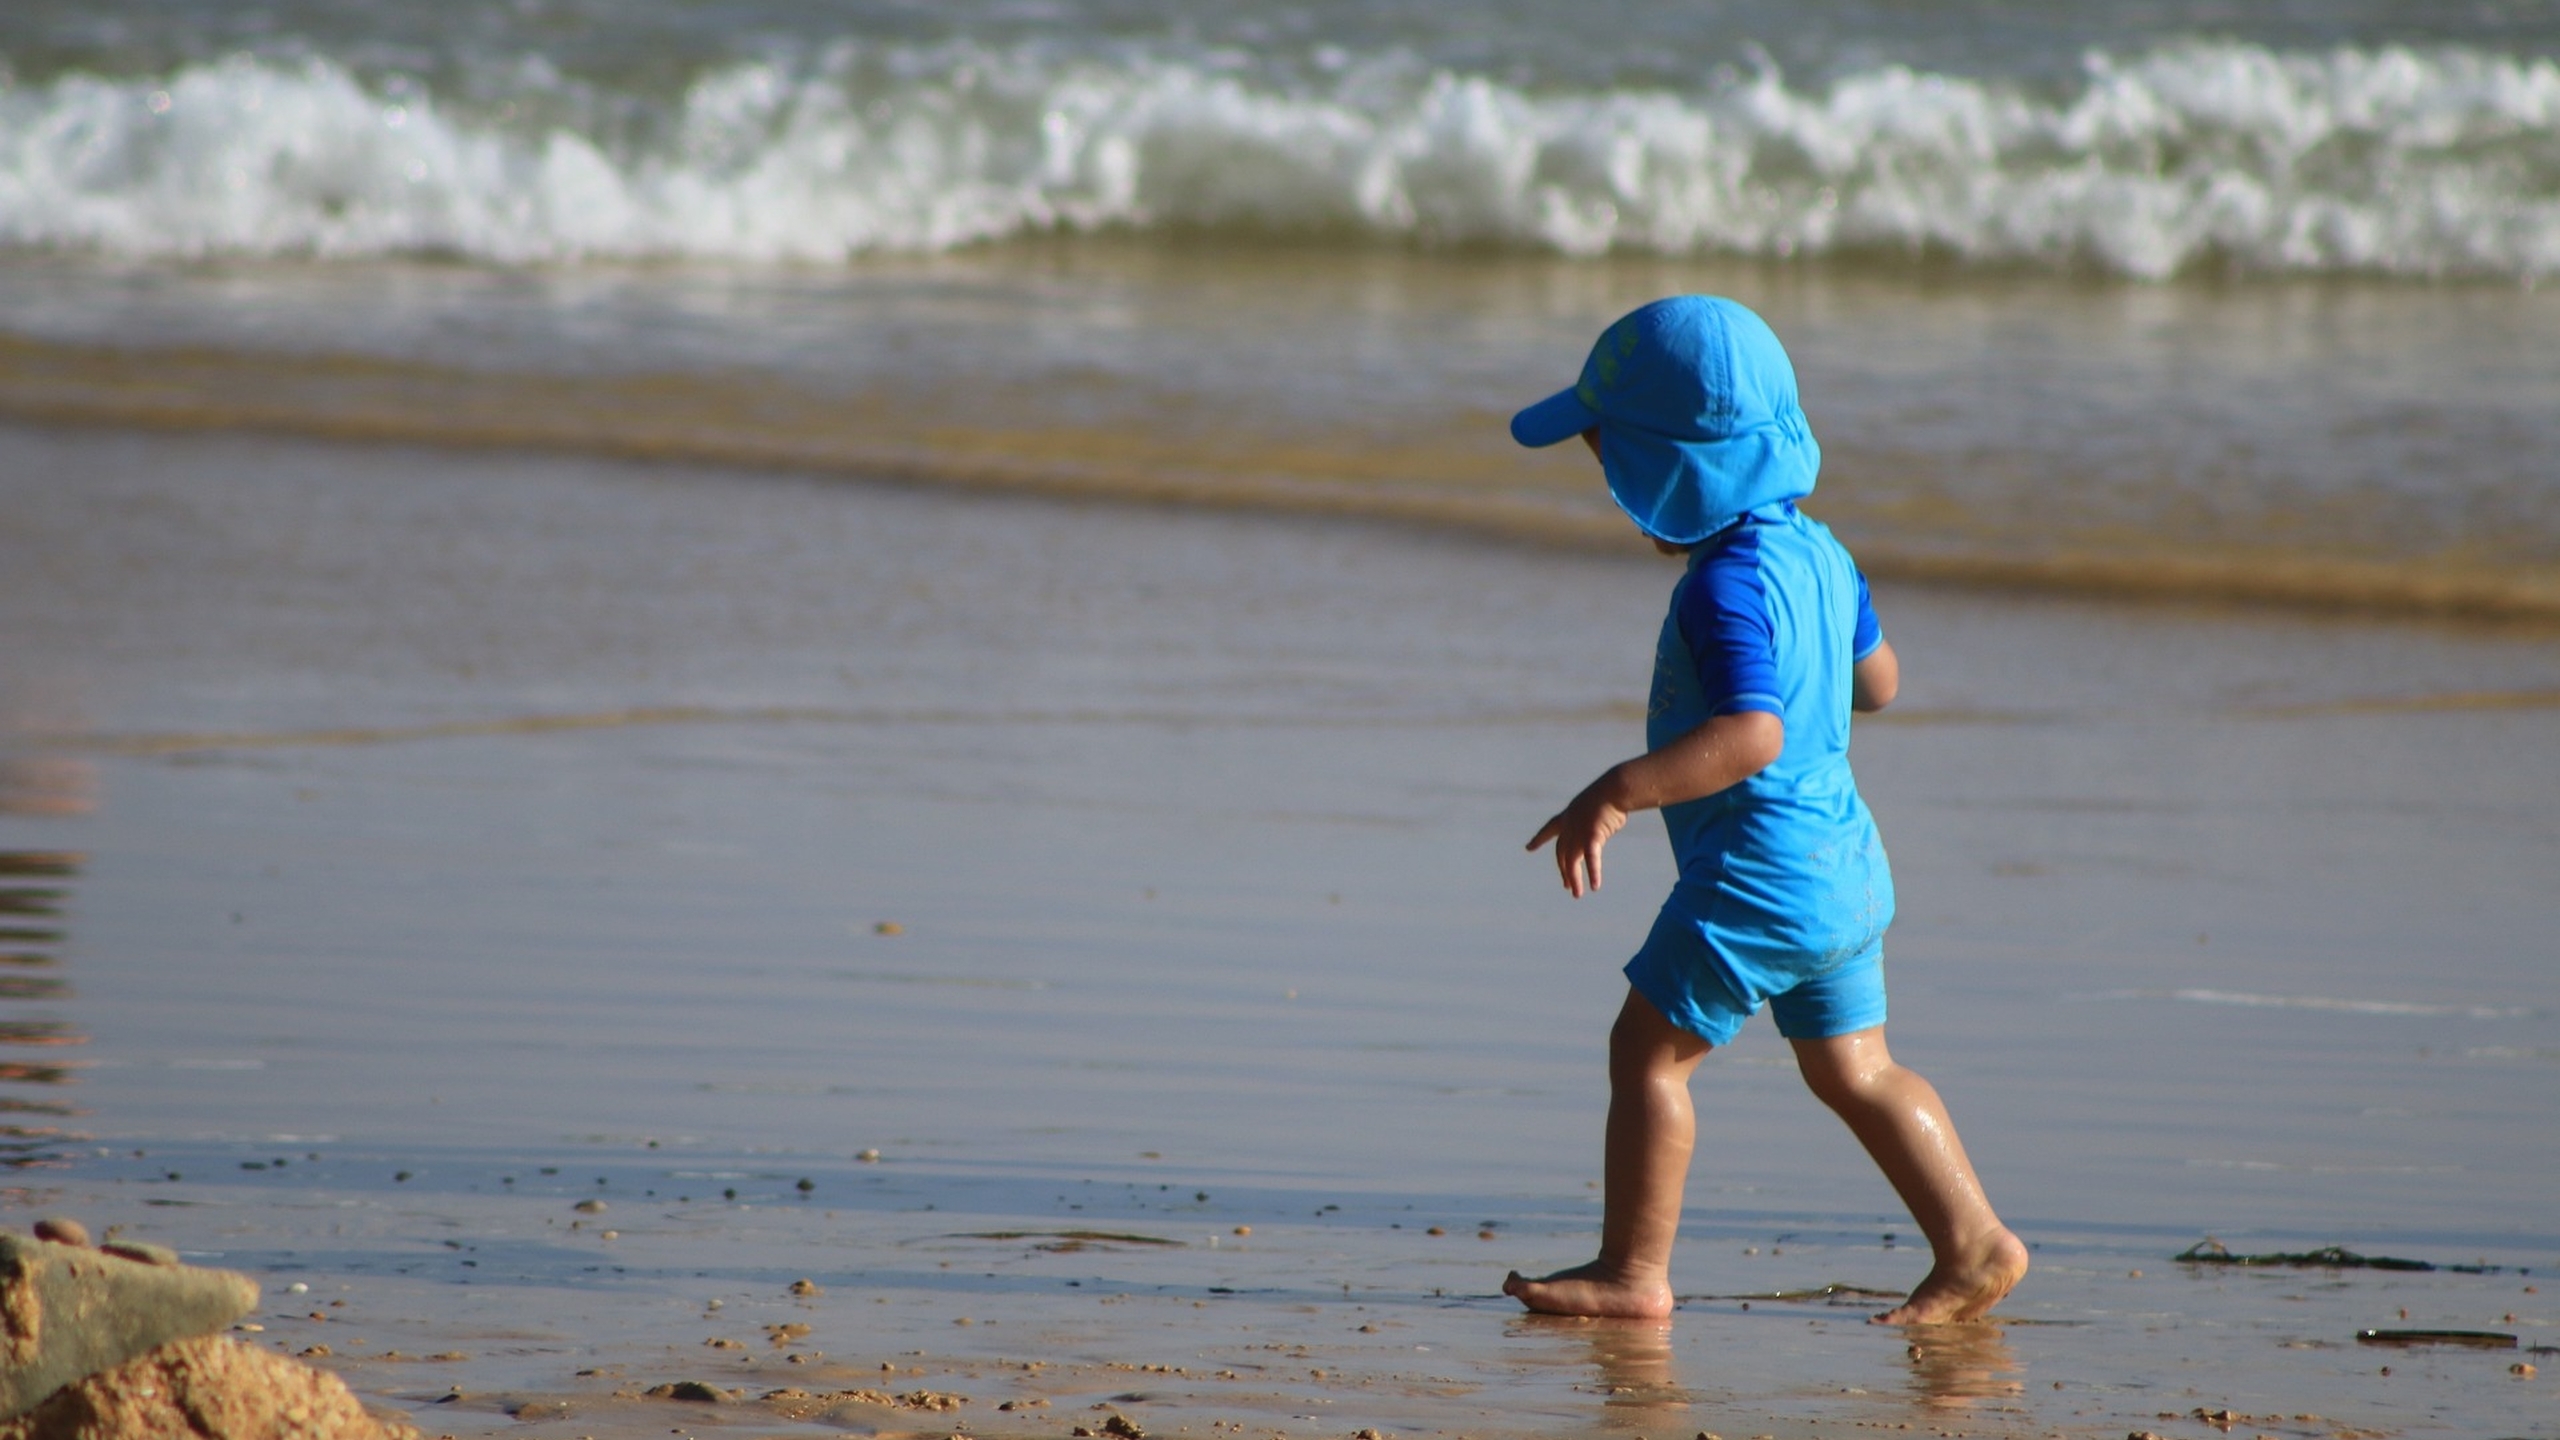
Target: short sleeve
x,y
1724,619
1870,631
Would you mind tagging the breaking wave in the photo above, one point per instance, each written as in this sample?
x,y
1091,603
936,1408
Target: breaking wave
x,y
2194,156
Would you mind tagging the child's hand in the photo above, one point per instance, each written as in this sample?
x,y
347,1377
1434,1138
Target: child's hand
x,y
1581,830
1718,755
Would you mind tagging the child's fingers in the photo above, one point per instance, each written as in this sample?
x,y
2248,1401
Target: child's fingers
x,y
1546,832
1587,860
1580,868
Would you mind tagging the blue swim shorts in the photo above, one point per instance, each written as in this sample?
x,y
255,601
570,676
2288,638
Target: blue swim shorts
x,y
1709,980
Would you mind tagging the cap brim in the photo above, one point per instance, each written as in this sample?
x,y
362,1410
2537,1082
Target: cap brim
x,y
1552,421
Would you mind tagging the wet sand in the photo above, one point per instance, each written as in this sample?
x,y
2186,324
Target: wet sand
x,y
480,836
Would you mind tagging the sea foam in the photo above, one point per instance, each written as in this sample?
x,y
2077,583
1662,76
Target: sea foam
x,y
2208,154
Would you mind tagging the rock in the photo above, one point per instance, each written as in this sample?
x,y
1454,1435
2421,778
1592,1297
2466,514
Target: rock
x,y
693,1390
63,1230
205,1388
805,1287
66,1313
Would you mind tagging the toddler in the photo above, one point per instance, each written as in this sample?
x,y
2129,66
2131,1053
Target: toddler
x,y
1784,894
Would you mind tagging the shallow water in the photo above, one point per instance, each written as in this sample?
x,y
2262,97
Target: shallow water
x,y
525,827
2336,444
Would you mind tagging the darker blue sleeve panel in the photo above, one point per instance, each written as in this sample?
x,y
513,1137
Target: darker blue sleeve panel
x,y
1724,618
1870,631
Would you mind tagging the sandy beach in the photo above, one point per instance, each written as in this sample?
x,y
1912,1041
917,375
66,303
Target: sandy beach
x,y
529,912
756,719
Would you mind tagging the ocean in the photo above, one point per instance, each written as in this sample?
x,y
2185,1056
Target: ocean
x,y
903,640
2227,301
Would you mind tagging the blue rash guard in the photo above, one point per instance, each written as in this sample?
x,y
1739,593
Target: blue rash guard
x,y
1784,893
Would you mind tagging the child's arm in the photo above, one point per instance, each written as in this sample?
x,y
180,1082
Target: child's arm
x,y
1876,680
1718,755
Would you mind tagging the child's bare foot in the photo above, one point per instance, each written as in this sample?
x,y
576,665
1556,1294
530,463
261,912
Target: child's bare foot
x,y
1964,1286
1594,1290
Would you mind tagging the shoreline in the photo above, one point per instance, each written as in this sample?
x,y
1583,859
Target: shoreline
x,y
2427,589
1058,1323
2347,446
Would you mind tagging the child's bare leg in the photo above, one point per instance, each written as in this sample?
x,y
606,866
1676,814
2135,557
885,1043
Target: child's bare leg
x,y
1902,1122
1651,1132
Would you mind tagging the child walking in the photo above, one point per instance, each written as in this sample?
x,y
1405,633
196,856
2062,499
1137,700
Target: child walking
x,y
1784,894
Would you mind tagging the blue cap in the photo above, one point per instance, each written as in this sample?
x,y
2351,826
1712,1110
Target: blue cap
x,y
1696,405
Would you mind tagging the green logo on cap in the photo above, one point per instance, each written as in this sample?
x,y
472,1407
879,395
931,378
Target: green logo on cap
x,y
1621,342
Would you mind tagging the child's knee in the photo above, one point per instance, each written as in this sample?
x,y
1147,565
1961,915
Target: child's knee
x,y
1831,1085
1845,1070
1643,1040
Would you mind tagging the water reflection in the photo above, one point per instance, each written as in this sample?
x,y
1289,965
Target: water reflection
x,y
1638,1378
33,887
52,785
1953,1366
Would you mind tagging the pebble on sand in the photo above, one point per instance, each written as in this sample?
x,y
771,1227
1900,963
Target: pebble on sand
x,y
63,1230
590,1207
868,1157
805,1287
888,927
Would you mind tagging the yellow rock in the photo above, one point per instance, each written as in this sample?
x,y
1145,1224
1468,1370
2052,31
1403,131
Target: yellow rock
x,y
207,1388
